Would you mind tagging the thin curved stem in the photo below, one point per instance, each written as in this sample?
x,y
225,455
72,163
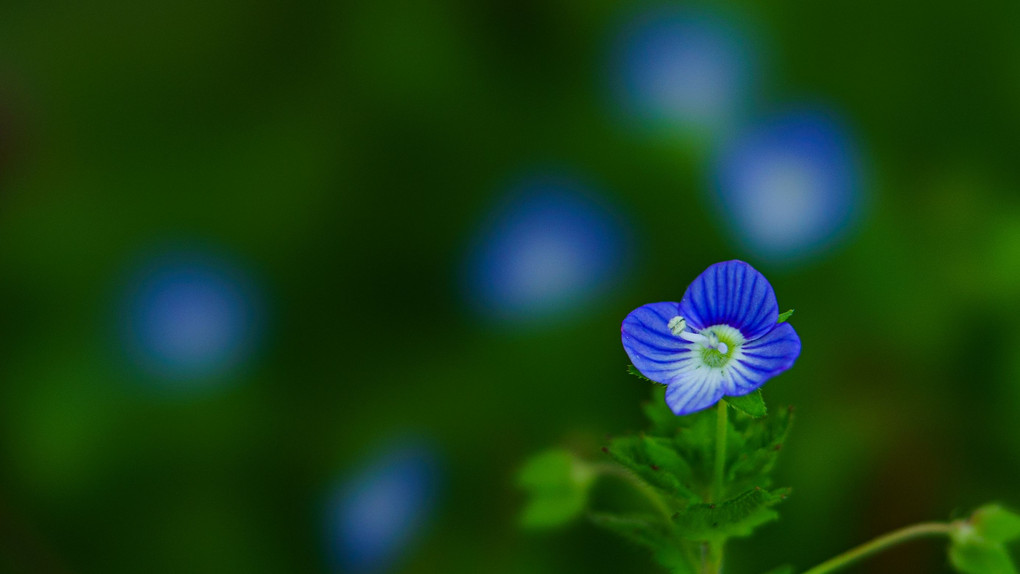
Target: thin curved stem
x,y
883,542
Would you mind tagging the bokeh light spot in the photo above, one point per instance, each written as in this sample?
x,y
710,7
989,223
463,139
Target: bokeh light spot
x,y
191,319
681,68
790,186
378,512
549,249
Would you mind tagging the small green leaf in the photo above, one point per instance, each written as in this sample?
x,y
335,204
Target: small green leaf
x,y
655,462
557,483
632,370
996,524
976,556
751,404
763,443
738,516
784,317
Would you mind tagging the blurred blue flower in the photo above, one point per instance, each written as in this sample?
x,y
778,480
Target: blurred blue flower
x,y
191,319
722,338
790,186
377,514
692,70
549,249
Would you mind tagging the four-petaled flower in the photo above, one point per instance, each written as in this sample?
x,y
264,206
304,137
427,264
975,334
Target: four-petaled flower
x,y
722,338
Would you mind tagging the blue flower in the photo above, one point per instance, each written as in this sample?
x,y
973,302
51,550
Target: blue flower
x,y
722,338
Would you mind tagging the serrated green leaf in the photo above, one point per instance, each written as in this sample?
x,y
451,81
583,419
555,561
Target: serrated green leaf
x,y
650,532
996,524
663,456
972,555
738,516
763,442
557,483
784,317
654,461
752,404
632,370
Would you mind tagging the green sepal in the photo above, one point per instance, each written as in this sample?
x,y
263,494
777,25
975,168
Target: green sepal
x,y
978,556
738,516
996,524
632,370
649,532
557,483
784,317
752,404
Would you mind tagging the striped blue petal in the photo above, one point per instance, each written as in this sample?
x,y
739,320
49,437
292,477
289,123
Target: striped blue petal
x,y
699,390
762,359
650,344
731,293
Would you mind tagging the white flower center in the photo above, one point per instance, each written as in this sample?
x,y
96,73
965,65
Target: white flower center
x,y
715,345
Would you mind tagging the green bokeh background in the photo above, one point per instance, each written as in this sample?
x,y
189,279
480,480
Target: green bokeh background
x,y
346,153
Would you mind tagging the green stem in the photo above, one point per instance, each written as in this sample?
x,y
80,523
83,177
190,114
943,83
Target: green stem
x,y
712,552
711,557
720,451
882,543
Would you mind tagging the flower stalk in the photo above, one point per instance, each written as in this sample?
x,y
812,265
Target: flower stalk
x,y
884,542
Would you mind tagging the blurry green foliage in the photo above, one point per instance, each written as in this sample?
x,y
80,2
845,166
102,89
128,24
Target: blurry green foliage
x,y
978,545
557,483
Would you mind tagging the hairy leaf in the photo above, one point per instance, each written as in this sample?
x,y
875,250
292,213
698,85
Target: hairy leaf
x,y
738,516
654,461
763,441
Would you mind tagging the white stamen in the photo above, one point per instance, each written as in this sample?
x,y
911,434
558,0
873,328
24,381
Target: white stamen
x,y
677,325
723,348
694,337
